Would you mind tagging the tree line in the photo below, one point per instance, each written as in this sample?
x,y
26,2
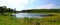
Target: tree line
x,y
4,9
42,11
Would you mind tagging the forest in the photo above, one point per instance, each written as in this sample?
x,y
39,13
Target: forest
x,y
4,9
42,11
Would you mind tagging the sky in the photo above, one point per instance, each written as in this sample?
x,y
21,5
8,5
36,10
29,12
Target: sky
x,y
30,4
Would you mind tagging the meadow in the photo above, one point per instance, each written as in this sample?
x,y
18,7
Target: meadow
x,y
49,20
6,17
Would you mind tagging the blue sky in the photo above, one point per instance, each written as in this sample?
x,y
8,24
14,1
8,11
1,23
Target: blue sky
x,y
30,4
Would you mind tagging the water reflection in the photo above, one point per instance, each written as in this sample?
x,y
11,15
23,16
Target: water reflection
x,y
30,15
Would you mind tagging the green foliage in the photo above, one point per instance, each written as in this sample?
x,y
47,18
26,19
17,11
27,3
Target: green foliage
x,y
4,9
8,20
42,11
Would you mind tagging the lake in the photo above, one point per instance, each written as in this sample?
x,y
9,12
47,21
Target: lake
x,y
30,15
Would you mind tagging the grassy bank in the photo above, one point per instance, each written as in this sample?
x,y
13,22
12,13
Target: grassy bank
x,y
7,19
49,20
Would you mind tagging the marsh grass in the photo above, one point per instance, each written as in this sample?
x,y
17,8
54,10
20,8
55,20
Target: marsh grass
x,y
48,20
6,19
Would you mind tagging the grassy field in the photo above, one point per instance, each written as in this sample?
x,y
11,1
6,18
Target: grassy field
x,y
52,20
49,20
7,19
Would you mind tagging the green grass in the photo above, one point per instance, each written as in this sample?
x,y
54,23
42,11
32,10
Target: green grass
x,y
6,19
49,20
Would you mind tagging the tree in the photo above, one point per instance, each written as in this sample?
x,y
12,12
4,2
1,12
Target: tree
x,y
4,9
1,10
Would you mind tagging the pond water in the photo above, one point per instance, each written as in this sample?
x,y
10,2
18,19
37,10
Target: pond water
x,y
30,15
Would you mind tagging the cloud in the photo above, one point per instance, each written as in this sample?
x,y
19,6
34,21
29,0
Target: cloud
x,y
49,6
15,3
32,0
1,4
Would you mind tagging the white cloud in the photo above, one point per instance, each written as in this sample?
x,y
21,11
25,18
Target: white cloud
x,y
31,0
15,3
1,4
49,6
